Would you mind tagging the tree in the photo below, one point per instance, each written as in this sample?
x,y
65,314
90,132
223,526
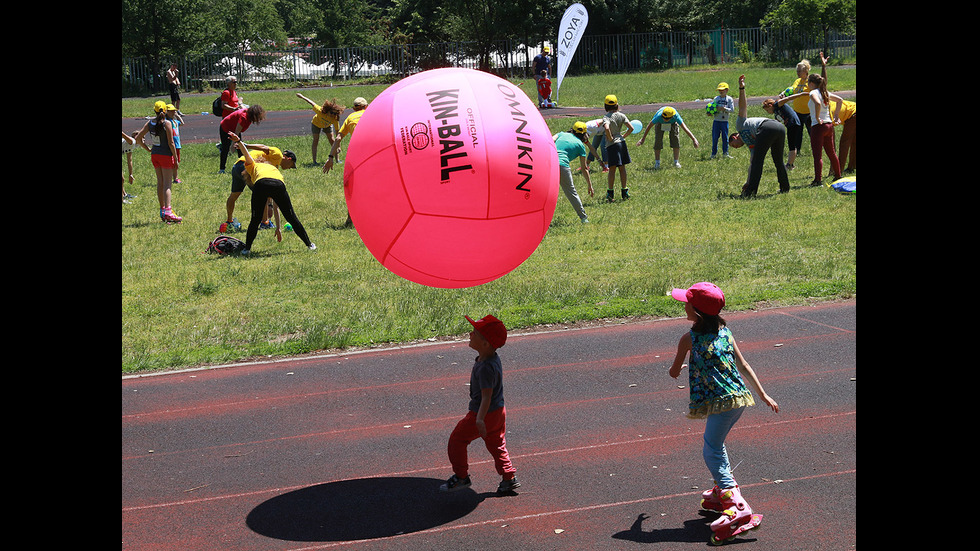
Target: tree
x,y
482,25
815,16
420,21
249,25
479,22
299,17
161,30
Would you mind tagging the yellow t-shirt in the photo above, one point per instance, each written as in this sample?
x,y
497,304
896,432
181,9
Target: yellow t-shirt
x,y
323,120
351,122
847,109
274,157
258,169
800,103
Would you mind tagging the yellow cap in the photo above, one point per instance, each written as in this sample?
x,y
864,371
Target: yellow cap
x,y
668,112
579,127
723,86
611,99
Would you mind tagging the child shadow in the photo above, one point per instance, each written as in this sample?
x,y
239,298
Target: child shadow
x,y
694,530
361,509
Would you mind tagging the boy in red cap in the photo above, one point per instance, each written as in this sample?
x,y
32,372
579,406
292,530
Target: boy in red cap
x,y
486,417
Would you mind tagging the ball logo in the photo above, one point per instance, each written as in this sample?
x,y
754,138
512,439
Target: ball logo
x,y
415,137
419,135
445,104
451,178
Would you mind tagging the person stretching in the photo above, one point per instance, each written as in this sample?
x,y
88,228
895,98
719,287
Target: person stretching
x,y
266,181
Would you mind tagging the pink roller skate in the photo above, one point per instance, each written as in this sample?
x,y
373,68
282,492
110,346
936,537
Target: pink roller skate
x,y
736,518
711,500
169,217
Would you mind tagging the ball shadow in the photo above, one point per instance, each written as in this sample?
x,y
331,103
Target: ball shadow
x,y
360,509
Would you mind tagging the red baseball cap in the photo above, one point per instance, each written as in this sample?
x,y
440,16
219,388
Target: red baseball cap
x,y
704,296
491,328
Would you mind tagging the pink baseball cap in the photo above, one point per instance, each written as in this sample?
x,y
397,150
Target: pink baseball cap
x,y
491,328
704,296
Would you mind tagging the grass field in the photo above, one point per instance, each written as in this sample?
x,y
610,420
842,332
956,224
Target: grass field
x,y
182,307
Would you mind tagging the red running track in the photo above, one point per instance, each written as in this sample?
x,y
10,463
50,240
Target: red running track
x,y
347,451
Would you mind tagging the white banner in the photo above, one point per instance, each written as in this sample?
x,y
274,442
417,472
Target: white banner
x,y
569,33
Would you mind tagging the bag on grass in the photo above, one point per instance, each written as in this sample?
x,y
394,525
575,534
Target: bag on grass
x,y
226,244
216,107
847,184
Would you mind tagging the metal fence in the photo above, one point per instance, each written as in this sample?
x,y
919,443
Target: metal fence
x,y
595,54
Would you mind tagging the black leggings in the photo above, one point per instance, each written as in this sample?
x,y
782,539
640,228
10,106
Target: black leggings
x,y
794,134
261,192
770,138
224,147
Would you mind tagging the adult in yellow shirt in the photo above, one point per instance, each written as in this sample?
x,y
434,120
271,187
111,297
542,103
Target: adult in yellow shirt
x,y
360,104
240,179
846,112
266,182
794,134
326,118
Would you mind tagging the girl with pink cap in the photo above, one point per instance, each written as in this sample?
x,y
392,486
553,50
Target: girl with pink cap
x,y
717,374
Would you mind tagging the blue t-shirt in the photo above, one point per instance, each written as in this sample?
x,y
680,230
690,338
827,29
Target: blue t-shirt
x,y
569,147
786,115
487,374
658,118
176,126
541,61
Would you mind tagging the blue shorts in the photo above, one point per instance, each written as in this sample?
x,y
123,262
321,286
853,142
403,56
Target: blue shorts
x,y
617,154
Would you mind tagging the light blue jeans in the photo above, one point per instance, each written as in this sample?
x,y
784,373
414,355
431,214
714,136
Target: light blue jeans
x,y
599,144
715,454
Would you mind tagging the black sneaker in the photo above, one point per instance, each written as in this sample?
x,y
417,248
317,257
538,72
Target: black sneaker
x,y
455,483
508,486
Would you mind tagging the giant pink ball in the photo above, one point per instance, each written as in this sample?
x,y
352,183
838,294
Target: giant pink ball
x,y
451,178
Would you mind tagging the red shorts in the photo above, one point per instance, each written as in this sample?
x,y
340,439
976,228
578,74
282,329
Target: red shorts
x,y
162,161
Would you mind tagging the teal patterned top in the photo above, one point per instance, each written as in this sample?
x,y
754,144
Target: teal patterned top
x,y
716,384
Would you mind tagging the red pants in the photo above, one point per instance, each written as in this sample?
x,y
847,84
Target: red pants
x,y
822,137
465,432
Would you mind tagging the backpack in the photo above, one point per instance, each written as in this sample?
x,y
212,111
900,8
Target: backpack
x,y
226,244
216,107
